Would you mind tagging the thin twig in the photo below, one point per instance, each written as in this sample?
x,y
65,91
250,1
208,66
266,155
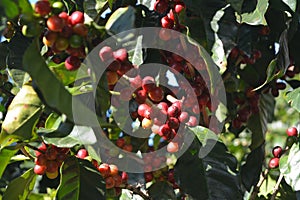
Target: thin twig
x,y
137,191
276,187
263,177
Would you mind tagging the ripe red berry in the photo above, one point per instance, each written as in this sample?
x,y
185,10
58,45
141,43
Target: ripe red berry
x,y
156,94
82,153
183,117
144,110
277,151
121,55
274,163
163,106
41,159
52,166
118,180
164,35
113,170
161,6
80,29
124,177
106,53
128,147
165,131
104,169
141,96
148,176
192,121
173,111
173,123
72,63
120,142
148,83
76,18
179,7
39,169
110,182
42,7
51,153
55,23
292,131
166,22
49,38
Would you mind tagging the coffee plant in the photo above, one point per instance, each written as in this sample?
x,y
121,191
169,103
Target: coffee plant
x,y
149,99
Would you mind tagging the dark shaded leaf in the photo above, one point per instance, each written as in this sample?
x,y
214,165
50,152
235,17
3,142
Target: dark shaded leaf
x,y
293,83
20,187
10,7
25,6
161,190
80,180
3,55
5,156
93,7
251,170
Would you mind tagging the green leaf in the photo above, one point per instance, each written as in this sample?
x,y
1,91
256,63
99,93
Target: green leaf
x,y
213,177
257,17
257,123
137,58
25,6
121,20
290,166
54,94
5,155
161,190
21,116
293,99
203,134
79,135
93,7
11,9
20,187
80,180
19,77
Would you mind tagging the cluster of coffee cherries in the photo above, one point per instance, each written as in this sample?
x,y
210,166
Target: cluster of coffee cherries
x,y
48,160
247,104
277,151
170,10
65,34
239,55
114,179
118,63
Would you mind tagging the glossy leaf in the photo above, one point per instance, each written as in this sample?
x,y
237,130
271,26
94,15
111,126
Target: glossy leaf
x,y
251,170
20,187
93,7
257,16
80,180
5,155
213,177
121,20
22,115
19,77
137,58
11,9
290,166
293,98
161,190
25,6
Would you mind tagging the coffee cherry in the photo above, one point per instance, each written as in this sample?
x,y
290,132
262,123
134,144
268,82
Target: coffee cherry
x,y
277,151
110,182
72,63
51,153
148,83
166,22
164,35
183,117
148,176
39,169
52,175
173,123
179,7
120,142
57,7
124,177
52,166
41,159
165,131
173,111
161,6
82,153
292,131
113,170
274,163
163,106
121,55
114,66
141,96
42,7
112,77
106,53
61,44
64,16
144,110
55,23
156,94
75,41
76,18
128,147
118,180
172,147
49,38
192,121
290,140
81,29
146,123
104,170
